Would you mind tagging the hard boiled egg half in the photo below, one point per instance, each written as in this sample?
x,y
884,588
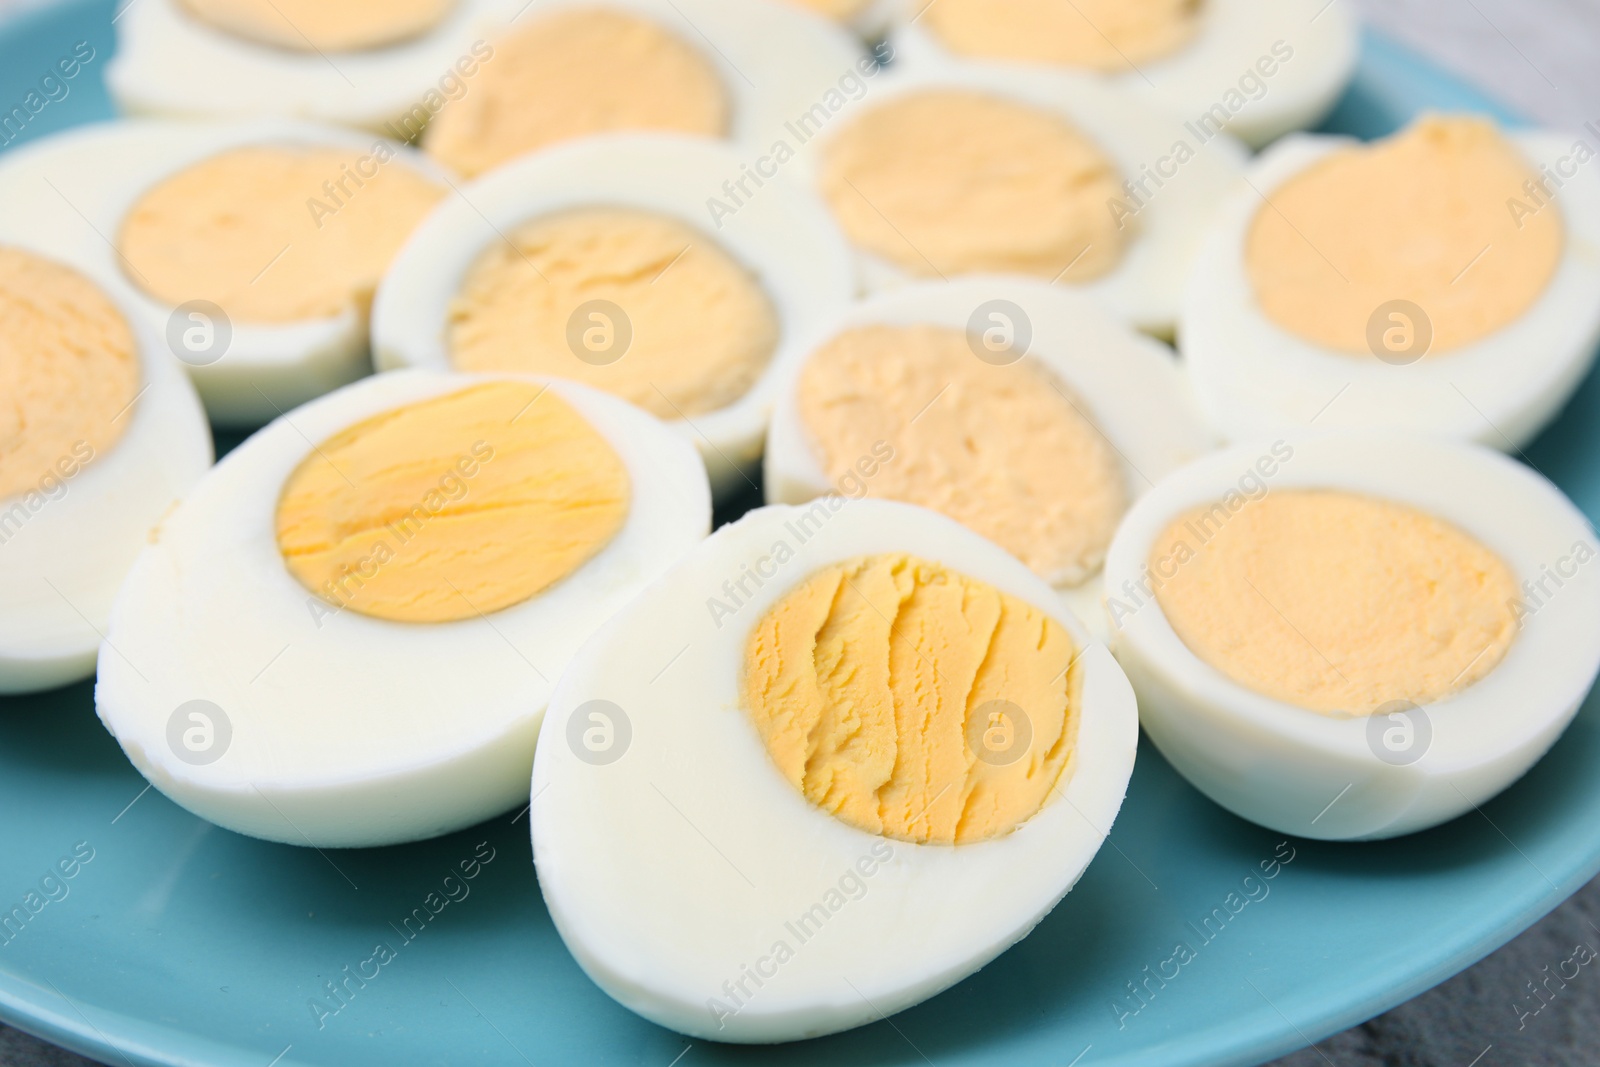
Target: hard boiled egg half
x,y
985,170
603,261
100,435
1257,68
251,249
347,633
834,761
1444,279
1018,408
1358,634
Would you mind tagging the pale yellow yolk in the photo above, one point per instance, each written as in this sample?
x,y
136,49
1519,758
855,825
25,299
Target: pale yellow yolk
x,y
682,329
454,507
912,701
322,25
839,10
1421,217
274,234
1108,35
69,372
1333,601
1003,450
577,72
951,181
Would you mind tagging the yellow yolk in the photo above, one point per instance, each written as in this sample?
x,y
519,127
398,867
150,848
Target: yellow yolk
x,y
1335,602
912,701
635,303
1421,217
1107,35
576,72
1003,450
952,181
275,234
69,373
838,10
453,507
322,25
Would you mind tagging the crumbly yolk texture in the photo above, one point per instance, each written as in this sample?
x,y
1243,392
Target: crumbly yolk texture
x,y
322,25
685,329
275,234
870,682
1104,35
69,370
572,73
453,507
1004,450
952,181
1420,217
1335,602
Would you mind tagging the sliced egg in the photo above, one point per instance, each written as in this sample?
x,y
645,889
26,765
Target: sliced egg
x,y
767,788
252,249
1439,280
1018,408
347,633
602,261
1357,634
372,64
982,170
100,435
1257,68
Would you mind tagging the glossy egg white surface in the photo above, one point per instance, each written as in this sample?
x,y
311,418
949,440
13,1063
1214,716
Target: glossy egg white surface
x,y
343,729
66,546
1261,67
672,857
1334,777
70,193
784,237
1130,387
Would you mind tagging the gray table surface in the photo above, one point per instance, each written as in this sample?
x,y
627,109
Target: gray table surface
x,y
1540,56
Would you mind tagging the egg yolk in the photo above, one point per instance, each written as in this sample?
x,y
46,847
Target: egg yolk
x,y
453,507
1335,602
1004,450
1423,217
1105,35
69,374
576,72
629,301
322,25
275,234
951,181
838,10
912,701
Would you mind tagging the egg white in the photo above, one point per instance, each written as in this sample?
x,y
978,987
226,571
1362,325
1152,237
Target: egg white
x,y
1130,388
1315,775
781,235
1145,288
1253,377
71,192
351,730
65,552
1236,40
673,868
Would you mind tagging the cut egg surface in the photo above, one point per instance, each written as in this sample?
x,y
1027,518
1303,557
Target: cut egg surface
x,y
251,249
600,261
1020,409
1256,68
100,435
835,760
1445,279
974,169
347,633
1355,634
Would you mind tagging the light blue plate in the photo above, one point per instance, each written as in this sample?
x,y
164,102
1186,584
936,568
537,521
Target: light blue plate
x,y
179,943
